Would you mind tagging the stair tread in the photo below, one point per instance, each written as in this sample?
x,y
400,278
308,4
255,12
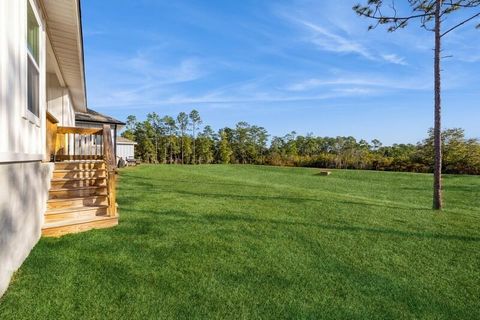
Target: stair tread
x,y
73,209
77,179
79,188
74,221
78,170
75,198
81,161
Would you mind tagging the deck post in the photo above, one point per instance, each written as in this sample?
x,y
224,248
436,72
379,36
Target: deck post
x,y
109,157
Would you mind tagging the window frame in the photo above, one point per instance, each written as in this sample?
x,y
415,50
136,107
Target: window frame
x,y
29,115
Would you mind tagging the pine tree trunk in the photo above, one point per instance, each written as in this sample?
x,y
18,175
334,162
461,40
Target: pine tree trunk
x,y
182,145
156,149
165,153
171,151
194,157
437,131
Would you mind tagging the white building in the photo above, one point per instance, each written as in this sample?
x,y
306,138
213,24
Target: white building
x,y
42,84
94,119
125,149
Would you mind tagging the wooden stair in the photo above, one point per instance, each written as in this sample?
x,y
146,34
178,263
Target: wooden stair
x,y
78,199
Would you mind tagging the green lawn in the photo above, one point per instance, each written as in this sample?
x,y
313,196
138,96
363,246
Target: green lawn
x,y
264,242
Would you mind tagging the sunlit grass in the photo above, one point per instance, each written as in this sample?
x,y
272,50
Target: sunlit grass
x,y
264,242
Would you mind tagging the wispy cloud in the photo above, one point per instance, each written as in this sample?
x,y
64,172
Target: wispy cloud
x,y
329,41
151,67
229,96
355,91
231,101
393,58
94,32
338,41
360,81
143,77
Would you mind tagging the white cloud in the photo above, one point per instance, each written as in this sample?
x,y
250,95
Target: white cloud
x,y
94,32
149,66
339,41
232,95
355,91
327,40
144,77
366,81
393,58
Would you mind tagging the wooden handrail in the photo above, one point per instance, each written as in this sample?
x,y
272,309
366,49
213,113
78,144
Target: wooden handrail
x,y
77,130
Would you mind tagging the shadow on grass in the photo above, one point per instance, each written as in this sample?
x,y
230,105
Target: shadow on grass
x,y
297,199
385,206
181,216
448,188
463,188
136,277
139,181
144,222
345,228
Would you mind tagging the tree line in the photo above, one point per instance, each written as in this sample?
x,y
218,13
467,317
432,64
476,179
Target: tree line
x,y
184,140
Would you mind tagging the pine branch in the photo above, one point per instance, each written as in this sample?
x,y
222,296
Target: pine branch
x,y
459,4
421,9
461,24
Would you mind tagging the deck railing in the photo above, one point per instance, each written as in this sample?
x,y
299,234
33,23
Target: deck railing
x,y
74,143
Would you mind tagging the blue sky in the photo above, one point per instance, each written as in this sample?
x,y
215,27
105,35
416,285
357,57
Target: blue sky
x,y
307,66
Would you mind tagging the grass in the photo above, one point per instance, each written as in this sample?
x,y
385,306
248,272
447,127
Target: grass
x,y
264,242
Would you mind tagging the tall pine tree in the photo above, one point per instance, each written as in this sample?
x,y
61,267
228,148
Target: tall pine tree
x,y
432,15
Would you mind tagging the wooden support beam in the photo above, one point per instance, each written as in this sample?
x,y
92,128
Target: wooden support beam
x,y
109,157
108,148
77,130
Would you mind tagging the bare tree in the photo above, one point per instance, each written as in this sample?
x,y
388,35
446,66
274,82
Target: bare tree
x,y
432,15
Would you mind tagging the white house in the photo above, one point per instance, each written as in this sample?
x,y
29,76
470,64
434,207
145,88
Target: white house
x,y
42,85
125,149
94,119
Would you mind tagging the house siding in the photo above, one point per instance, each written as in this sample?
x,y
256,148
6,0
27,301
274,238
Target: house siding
x,y
125,151
21,213
24,179
59,102
21,138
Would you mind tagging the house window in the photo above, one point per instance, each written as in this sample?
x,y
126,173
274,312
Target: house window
x,y
33,46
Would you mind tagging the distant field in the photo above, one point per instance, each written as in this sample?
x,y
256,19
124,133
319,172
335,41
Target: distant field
x,y
264,242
